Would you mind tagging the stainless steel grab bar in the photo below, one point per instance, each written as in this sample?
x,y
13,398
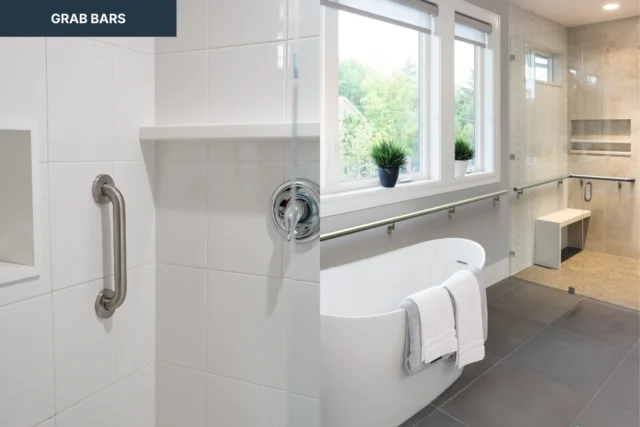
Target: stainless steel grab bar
x,y
391,221
619,180
105,191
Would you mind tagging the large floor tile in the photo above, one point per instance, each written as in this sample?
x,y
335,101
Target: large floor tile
x,y
470,374
508,331
623,389
501,287
579,362
440,419
536,302
636,349
419,417
510,395
601,414
605,322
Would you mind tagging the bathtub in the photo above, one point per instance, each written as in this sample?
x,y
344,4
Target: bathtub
x,y
363,333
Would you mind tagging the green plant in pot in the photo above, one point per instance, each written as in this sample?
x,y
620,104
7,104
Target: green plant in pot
x,y
389,157
464,153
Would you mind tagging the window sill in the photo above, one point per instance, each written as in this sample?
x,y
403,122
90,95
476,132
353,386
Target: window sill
x,y
350,201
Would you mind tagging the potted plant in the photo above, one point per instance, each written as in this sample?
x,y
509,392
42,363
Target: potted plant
x,y
464,153
389,157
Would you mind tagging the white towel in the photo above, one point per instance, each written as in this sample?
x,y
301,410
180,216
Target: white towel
x,y
463,287
437,323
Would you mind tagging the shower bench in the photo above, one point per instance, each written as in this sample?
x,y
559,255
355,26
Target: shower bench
x,y
548,235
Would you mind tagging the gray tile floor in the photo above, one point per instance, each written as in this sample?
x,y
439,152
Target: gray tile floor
x,y
553,360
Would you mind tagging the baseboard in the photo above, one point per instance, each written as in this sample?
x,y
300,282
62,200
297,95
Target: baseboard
x,y
496,272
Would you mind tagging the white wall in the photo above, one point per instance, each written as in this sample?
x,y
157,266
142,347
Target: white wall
x,y
60,365
238,308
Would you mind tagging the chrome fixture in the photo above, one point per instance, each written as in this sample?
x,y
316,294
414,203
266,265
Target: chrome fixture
x,y
391,221
619,180
590,196
105,191
295,210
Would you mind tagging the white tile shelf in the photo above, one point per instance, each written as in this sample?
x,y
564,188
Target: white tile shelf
x,y
268,131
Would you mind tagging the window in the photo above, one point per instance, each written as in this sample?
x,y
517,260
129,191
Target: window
x,y
379,96
542,66
388,74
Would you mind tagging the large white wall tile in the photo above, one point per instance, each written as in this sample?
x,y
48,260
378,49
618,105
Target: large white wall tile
x,y
301,344
239,94
299,411
182,88
139,44
23,83
136,399
181,203
51,422
81,248
239,218
246,151
85,345
13,292
80,87
245,344
133,180
239,404
134,322
181,316
307,59
304,19
243,22
192,28
98,410
26,363
180,397
133,101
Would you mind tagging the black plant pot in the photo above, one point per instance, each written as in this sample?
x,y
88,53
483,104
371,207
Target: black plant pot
x,y
389,176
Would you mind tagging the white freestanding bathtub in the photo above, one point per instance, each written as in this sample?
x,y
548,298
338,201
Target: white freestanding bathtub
x,y
363,333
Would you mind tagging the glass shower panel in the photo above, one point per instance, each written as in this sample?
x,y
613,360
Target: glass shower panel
x,y
604,105
539,151
300,296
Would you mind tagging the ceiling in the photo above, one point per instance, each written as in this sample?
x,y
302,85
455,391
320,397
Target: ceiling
x,y
578,12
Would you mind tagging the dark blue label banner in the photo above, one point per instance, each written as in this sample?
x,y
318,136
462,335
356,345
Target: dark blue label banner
x,y
88,18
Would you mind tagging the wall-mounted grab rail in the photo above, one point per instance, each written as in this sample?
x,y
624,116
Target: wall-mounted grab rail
x,y
619,180
105,191
391,221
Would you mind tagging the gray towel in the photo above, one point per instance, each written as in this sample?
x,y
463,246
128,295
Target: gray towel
x,y
413,335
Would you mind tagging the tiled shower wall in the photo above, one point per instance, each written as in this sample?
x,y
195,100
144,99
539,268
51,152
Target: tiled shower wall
x,y
539,131
60,365
606,86
238,307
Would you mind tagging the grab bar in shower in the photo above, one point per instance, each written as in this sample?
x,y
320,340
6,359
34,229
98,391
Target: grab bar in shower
x,y
619,180
391,221
105,191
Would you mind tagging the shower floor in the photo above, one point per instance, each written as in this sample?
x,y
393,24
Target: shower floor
x,y
552,359
596,275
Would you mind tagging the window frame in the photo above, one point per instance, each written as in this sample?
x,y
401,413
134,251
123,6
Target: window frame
x,y
437,116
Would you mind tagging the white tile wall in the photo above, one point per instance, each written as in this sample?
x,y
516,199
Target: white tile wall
x,y
88,98
181,316
181,396
251,349
231,23
220,259
240,404
26,363
237,94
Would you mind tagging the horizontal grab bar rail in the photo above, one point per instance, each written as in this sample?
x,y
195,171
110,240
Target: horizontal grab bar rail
x,y
105,191
390,221
520,190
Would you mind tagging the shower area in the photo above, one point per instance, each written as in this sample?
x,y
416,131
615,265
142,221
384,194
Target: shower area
x,y
574,147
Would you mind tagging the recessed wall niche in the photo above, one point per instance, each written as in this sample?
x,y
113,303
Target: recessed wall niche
x,y
19,237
